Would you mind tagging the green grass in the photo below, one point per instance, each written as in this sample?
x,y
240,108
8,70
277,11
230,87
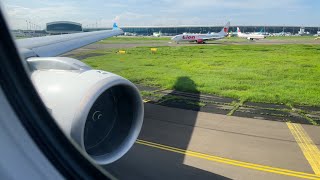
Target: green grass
x,y
21,37
288,74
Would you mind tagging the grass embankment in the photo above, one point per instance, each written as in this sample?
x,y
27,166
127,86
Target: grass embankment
x,y
287,74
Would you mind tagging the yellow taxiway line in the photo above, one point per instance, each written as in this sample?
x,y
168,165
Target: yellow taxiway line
x,y
230,161
308,148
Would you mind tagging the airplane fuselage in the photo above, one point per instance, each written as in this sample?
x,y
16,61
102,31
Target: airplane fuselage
x,y
251,36
199,38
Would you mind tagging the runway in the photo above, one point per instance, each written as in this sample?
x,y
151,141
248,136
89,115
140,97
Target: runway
x,y
177,143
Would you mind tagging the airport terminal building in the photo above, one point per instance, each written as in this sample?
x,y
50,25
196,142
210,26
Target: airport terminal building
x,y
68,27
63,27
205,29
174,30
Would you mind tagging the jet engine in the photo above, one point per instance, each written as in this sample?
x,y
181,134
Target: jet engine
x,y
200,41
102,112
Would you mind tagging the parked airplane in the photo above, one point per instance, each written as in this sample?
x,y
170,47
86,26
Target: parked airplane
x,y
102,112
262,32
251,36
157,34
202,38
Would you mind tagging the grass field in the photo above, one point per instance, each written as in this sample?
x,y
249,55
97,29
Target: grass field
x,y
21,37
287,74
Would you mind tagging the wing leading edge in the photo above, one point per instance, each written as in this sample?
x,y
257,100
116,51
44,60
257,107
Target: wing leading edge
x,y
50,46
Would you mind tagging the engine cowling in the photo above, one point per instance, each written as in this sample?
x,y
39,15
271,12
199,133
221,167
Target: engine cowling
x,y
102,112
200,41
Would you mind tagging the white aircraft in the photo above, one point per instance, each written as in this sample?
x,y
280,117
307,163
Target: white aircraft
x,y
157,34
251,36
102,112
202,38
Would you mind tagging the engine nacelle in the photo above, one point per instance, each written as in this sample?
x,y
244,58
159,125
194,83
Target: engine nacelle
x,y
200,41
100,111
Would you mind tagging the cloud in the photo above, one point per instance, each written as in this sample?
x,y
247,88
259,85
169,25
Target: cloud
x,y
163,12
243,4
131,18
17,15
116,19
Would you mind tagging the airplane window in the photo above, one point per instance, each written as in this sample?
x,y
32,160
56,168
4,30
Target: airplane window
x,y
145,91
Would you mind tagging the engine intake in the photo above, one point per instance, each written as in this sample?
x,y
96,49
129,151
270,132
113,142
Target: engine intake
x,y
100,111
109,121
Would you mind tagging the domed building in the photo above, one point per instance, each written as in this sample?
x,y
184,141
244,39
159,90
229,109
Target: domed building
x,y
63,27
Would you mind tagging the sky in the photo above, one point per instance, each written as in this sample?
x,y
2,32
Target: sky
x,y
102,13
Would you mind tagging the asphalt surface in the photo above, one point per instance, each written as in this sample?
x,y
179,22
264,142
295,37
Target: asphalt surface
x,y
267,143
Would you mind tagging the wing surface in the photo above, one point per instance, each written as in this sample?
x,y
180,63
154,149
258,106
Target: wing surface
x,y
50,46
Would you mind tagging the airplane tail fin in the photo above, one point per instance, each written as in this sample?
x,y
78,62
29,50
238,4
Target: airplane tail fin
x,y
238,30
261,31
115,26
225,29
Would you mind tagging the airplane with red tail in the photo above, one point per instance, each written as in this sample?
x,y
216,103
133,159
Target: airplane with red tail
x,y
202,38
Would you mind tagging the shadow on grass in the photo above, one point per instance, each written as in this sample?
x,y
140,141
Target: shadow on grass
x,y
182,84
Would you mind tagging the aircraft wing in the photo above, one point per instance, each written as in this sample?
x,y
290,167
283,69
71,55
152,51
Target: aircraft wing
x,y
49,46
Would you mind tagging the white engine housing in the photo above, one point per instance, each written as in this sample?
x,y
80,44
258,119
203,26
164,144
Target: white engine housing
x,y
100,111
